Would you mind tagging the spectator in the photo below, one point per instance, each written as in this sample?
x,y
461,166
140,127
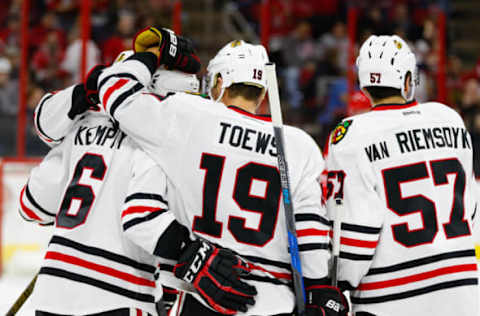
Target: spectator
x,y
8,89
470,110
48,24
10,35
66,11
122,39
73,57
336,40
299,48
46,62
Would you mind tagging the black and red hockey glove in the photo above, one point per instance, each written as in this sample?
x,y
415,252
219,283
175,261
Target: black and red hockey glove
x,y
324,300
169,297
175,52
85,95
215,273
91,85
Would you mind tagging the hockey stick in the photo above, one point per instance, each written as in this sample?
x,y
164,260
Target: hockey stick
x,y
276,113
22,298
337,226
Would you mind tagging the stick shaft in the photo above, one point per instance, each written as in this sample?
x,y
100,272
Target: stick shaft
x,y
22,298
295,261
337,227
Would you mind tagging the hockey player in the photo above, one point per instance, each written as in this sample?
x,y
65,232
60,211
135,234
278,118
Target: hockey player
x,y
222,157
404,174
110,206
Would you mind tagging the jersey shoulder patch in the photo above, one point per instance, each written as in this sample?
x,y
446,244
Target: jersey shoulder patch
x,y
340,131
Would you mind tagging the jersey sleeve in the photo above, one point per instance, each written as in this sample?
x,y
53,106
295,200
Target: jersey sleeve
x,y
311,220
39,198
146,218
51,119
350,179
147,118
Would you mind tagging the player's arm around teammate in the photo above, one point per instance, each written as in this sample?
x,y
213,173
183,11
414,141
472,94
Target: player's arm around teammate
x,y
147,221
119,90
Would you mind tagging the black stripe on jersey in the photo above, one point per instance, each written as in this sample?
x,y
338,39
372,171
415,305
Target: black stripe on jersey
x,y
422,261
261,260
308,282
312,246
146,196
361,229
355,257
264,279
311,217
146,58
407,294
102,253
97,283
34,203
139,220
120,75
124,96
23,216
37,119
166,267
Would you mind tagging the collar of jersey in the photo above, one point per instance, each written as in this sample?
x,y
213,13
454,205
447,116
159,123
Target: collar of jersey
x,y
394,106
263,117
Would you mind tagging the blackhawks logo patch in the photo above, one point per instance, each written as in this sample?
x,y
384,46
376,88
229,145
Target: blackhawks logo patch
x,y
340,131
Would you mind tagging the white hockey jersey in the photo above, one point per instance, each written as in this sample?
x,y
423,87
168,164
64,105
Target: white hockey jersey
x,y
222,161
404,173
108,202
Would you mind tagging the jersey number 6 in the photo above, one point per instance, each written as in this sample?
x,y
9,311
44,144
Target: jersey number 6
x,y
266,205
83,194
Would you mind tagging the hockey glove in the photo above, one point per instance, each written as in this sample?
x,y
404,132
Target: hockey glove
x,y
79,102
91,84
326,300
169,297
85,96
215,273
175,52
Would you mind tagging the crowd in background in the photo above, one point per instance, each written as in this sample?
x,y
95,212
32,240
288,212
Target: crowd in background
x,y
309,42
54,52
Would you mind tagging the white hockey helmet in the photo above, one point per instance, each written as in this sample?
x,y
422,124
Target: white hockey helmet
x,y
238,62
165,81
385,61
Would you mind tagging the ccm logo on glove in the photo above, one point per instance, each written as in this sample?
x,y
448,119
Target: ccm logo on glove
x,y
197,263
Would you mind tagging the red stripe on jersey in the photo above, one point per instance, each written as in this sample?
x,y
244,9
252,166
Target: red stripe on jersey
x,y
265,118
311,232
139,312
383,107
120,83
417,277
53,255
140,209
356,242
31,214
278,275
